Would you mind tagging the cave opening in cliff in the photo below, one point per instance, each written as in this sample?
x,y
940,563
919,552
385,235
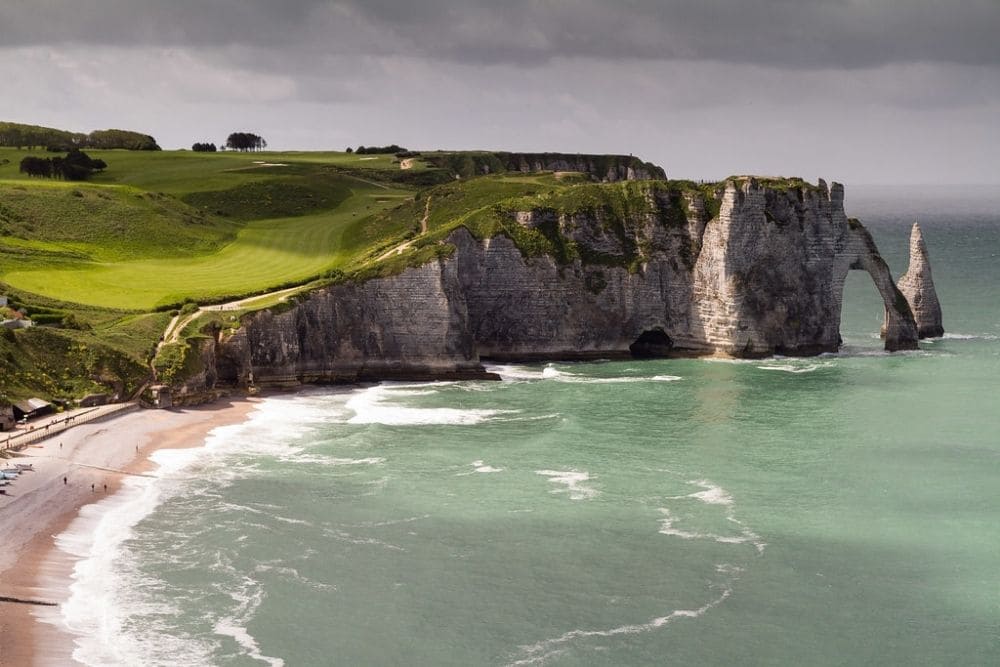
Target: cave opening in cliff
x,y
652,344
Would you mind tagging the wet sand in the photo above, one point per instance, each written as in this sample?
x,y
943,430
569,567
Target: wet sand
x,y
42,503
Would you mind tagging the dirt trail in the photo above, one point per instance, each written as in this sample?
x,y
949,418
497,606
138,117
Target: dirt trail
x,y
427,214
365,180
395,250
179,322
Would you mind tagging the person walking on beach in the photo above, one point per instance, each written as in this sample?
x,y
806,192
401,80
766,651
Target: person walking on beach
x,y
92,489
64,481
105,488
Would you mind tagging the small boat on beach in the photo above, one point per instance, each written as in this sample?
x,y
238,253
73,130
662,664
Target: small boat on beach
x,y
25,466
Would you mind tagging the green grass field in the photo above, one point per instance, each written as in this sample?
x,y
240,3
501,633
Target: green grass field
x,y
160,228
265,253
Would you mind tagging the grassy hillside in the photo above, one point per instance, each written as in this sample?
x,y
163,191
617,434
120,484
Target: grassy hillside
x,y
266,253
100,223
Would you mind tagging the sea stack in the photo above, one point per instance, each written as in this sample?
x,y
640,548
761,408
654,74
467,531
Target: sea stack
x,y
917,286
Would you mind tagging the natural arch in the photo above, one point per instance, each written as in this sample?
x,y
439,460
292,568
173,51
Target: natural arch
x,y
899,329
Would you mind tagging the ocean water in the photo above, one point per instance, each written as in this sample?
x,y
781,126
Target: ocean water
x,y
837,510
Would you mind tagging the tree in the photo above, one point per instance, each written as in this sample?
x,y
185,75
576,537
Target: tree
x,y
78,166
133,141
36,166
204,148
380,150
75,166
245,141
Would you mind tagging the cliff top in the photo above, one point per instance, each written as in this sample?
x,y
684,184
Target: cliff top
x,y
168,228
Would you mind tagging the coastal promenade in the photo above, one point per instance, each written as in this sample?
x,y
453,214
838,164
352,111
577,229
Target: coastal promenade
x,y
51,425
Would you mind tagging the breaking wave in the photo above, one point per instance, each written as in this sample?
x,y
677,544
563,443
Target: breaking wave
x,y
373,406
550,372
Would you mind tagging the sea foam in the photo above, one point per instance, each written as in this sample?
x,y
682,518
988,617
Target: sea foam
x,y
710,494
106,577
511,373
574,482
481,467
547,649
373,406
791,368
247,598
97,538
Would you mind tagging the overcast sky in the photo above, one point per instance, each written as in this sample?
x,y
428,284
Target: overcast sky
x,y
859,91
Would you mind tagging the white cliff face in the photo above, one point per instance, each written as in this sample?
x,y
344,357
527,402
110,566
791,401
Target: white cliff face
x,y
770,275
764,276
917,286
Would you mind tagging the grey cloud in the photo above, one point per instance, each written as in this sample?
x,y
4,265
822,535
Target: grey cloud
x,y
795,34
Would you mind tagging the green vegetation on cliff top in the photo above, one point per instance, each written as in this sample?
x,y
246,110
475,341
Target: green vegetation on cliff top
x,y
159,229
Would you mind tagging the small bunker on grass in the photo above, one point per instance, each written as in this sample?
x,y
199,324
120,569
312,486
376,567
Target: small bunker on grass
x,y
652,344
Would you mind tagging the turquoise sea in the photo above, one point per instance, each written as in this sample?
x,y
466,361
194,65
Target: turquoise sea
x,y
838,510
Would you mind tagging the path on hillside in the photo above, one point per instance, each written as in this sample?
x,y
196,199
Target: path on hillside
x,y
179,322
395,250
427,215
236,305
365,180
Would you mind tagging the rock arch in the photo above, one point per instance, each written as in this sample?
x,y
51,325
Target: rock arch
x,y
899,330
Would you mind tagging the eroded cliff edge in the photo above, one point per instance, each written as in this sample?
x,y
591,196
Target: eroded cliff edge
x,y
754,269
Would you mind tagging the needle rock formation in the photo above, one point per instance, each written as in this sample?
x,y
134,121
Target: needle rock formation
x,y
917,286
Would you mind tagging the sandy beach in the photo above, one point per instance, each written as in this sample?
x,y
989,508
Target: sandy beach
x,y
73,469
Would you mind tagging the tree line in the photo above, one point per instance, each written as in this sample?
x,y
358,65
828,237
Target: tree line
x,y
76,166
378,150
19,135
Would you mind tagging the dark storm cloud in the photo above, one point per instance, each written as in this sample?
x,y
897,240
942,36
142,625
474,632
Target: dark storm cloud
x,y
799,34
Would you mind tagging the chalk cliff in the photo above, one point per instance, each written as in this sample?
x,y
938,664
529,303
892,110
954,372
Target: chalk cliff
x,y
917,286
609,168
756,270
